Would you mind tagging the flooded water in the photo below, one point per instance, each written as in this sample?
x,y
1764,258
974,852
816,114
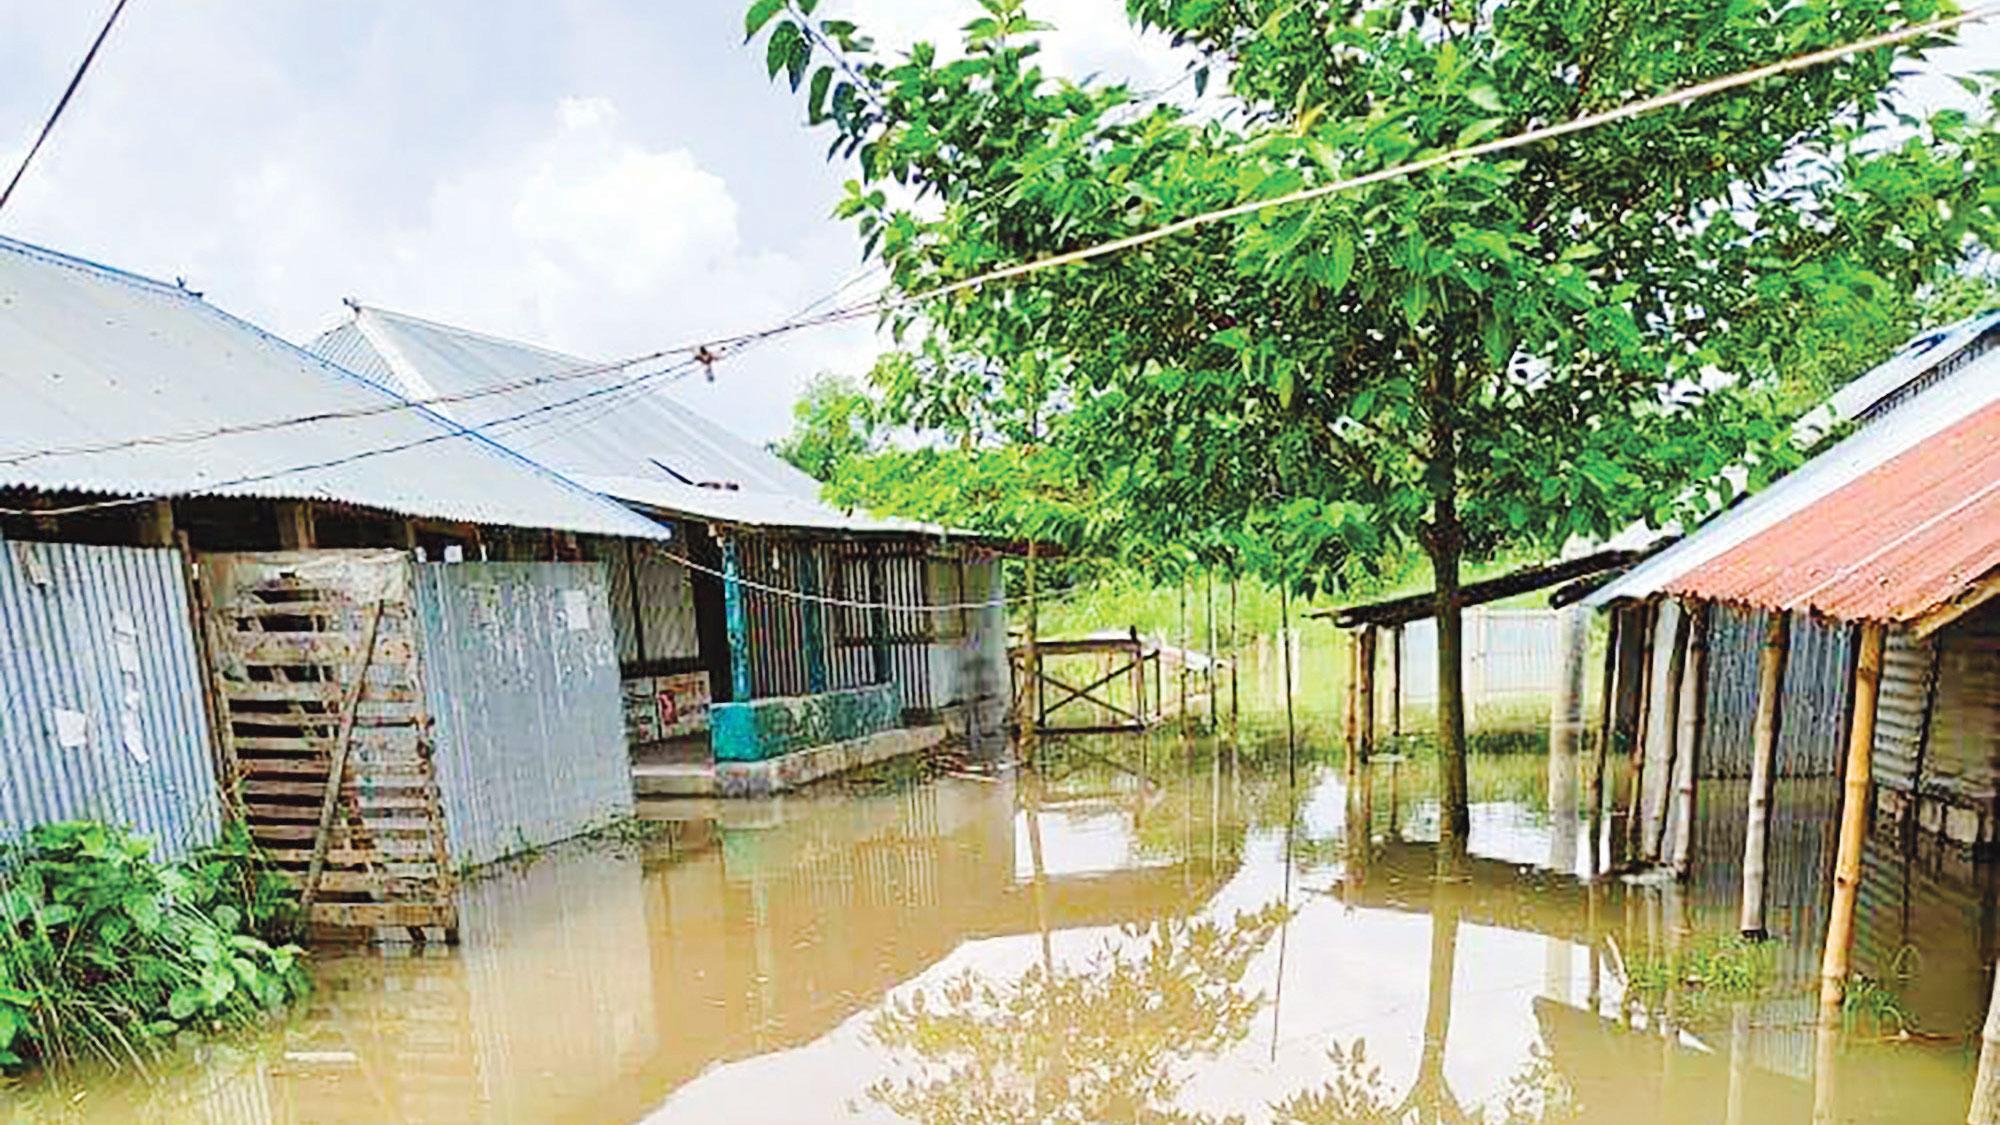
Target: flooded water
x,y
1140,929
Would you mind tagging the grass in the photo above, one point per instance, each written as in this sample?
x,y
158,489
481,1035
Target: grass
x,y
1703,973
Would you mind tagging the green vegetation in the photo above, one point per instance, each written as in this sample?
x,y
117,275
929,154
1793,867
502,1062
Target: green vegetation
x,y
1488,358
106,955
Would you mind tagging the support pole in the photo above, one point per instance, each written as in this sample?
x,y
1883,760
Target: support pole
x,y
1353,697
1030,718
1853,827
1291,727
1607,719
810,612
736,612
1365,702
1235,660
1648,630
1181,670
1566,727
1763,763
1396,683
154,523
1660,789
1208,596
295,525
1687,743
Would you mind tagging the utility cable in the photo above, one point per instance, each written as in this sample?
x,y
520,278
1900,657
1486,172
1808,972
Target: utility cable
x,y
885,304
62,103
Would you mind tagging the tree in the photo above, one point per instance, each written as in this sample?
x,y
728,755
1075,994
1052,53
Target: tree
x,y
1488,356
833,422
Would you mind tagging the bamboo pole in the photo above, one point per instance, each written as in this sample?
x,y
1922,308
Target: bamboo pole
x,y
1396,683
1986,1087
1291,727
1566,731
1654,839
1853,827
1365,701
1353,709
1030,718
1235,660
1687,742
1649,628
1182,668
1763,762
1208,596
1607,712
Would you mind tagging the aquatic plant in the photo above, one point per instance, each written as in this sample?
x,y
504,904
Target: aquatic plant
x,y
107,955
1873,1008
1701,972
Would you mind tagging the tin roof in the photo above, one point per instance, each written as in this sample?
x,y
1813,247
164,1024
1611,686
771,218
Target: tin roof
x,y
644,448
92,356
1894,524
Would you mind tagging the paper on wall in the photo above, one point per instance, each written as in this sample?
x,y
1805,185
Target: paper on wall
x,y
576,610
72,728
127,649
135,741
123,625
33,563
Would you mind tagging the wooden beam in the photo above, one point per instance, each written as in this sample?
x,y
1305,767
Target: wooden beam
x,y
153,523
295,525
1857,790
337,769
1416,607
1365,703
1763,768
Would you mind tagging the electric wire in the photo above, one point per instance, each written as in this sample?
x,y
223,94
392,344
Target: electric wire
x,y
62,103
881,305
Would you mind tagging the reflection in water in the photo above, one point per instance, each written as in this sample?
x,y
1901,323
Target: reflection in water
x,y
1083,943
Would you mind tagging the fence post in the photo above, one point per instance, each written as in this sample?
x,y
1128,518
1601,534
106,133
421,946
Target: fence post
x,y
1763,764
736,613
1853,826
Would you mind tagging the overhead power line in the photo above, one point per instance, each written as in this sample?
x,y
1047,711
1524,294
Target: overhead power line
x,y
709,350
62,103
714,347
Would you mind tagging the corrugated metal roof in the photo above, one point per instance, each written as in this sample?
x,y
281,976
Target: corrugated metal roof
x,y
1950,401
91,355
1900,540
642,447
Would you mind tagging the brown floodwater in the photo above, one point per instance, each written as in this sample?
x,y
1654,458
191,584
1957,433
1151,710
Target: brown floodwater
x,y
1140,929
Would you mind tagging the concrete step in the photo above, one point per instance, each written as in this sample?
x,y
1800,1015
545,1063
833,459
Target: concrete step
x,y
673,780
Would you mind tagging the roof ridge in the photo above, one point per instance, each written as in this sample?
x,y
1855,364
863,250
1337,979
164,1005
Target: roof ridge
x,y
459,330
87,265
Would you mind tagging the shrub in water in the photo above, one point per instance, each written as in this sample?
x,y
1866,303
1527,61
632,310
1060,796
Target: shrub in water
x,y
105,954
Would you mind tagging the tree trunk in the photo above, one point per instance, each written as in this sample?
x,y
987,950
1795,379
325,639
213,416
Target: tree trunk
x,y
1444,542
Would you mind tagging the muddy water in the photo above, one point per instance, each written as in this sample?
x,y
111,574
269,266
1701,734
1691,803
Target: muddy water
x,y
1139,928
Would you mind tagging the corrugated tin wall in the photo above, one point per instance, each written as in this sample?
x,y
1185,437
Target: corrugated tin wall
x,y
1507,652
521,671
1902,711
661,611
101,709
1818,684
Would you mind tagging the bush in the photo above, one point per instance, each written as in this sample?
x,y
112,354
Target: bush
x,y
106,955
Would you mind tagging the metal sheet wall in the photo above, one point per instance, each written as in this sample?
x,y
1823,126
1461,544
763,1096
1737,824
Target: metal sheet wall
x,y
105,633
660,611
1902,710
1819,686
1735,648
521,672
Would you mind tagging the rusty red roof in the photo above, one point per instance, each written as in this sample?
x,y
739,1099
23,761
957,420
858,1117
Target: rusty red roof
x,y
1896,543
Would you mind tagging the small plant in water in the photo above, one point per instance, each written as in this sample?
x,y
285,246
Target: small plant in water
x,y
105,954
1703,971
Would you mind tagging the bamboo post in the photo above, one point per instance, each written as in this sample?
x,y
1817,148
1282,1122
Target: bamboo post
x,y
1353,697
1607,712
1648,635
1986,1087
1763,762
1853,827
1655,808
1235,660
337,768
1291,728
1687,741
1396,683
1566,728
1208,596
1181,668
1030,719
1365,701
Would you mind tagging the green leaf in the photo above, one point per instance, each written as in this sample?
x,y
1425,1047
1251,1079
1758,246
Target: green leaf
x,y
760,13
816,96
143,909
184,1001
1486,98
778,52
1287,383
1343,259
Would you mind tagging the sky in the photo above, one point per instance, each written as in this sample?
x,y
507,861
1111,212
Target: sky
x,y
604,177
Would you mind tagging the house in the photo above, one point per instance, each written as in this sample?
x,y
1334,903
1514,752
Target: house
x,y
231,571
770,639
1744,637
